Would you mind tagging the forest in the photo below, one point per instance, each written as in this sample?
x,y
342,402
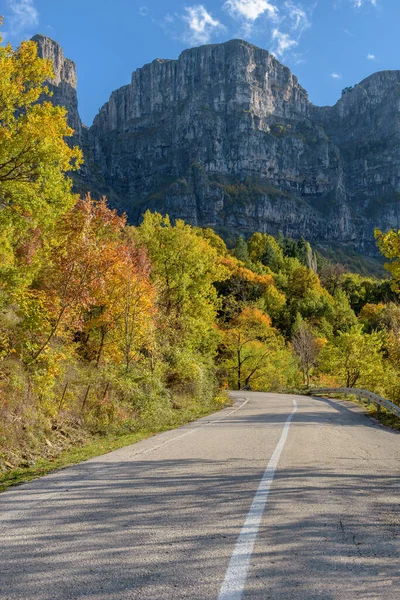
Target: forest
x,y
106,327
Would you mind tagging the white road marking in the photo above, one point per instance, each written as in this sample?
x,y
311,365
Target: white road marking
x,y
236,574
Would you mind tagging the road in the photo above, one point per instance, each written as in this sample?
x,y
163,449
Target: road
x,y
261,500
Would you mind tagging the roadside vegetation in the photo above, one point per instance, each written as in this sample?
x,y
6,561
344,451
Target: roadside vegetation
x,y
109,333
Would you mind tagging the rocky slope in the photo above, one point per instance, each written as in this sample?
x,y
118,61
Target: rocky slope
x,y
226,137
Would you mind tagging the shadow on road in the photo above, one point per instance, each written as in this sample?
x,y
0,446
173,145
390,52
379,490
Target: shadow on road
x,y
165,529
335,413
143,527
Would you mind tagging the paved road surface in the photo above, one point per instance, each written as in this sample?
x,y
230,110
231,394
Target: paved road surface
x,y
162,519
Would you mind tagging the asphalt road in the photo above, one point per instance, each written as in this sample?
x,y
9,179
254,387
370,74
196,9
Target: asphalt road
x,y
258,501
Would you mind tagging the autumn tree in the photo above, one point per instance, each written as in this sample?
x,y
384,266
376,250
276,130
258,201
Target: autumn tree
x,y
74,277
265,249
244,287
354,358
134,308
34,156
247,343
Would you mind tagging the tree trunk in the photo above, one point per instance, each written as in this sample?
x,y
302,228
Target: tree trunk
x,y
86,397
239,371
62,397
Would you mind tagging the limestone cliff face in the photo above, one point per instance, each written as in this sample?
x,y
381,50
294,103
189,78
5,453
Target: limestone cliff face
x,y
365,127
226,137
63,86
221,137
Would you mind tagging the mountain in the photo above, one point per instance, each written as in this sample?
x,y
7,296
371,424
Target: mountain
x,y
226,137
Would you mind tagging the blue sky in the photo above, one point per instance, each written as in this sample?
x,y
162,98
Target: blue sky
x,y
328,44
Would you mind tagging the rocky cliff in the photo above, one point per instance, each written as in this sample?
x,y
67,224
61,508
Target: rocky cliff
x,y
63,86
226,137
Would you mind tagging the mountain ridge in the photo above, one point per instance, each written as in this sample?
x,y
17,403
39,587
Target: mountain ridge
x,y
225,136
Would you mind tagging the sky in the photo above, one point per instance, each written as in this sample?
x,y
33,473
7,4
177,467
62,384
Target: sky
x,y
328,44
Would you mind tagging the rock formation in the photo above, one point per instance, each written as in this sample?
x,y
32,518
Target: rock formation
x,y
63,86
226,137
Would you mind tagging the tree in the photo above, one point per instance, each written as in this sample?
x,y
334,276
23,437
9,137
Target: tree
x,y
305,294
241,250
34,156
137,297
343,316
331,276
307,349
247,344
372,316
244,287
355,358
74,278
265,249
213,239
185,268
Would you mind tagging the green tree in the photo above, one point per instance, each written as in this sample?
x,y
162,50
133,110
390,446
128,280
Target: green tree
x,y
343,316
185,268
265,249
354,358
241,249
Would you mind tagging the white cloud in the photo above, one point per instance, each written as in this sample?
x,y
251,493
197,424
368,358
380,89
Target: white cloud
x,y
281,28
143,11
360,3
293,21
200,25
336,76
23,16
282,42
250,10
297,16
371,56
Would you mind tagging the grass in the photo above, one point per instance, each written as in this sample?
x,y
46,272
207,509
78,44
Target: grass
x,y
104,444
384,417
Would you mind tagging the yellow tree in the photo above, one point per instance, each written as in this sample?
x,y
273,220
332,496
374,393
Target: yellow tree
x,y
247,345
244,287
120,325
185,268
355,358
34,156
389,245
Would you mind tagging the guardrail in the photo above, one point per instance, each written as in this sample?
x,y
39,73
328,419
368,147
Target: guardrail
x,y
362,394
